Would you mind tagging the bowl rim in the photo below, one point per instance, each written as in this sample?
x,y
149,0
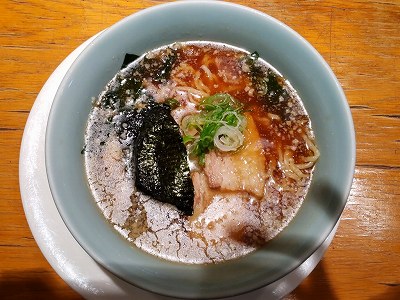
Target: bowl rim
x,y
108,32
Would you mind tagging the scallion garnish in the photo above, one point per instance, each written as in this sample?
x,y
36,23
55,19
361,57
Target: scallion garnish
x,y
220,124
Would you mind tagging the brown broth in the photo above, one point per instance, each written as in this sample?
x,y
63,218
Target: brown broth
x,y
231,224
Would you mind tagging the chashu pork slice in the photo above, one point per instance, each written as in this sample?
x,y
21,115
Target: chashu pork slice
x,y
240,171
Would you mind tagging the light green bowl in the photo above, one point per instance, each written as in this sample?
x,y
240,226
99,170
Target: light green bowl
x,y
212,21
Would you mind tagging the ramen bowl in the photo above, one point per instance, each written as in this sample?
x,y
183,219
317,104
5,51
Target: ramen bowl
x,y
221,22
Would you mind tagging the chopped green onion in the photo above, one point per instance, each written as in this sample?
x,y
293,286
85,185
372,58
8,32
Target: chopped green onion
x,y
188,139
216,112
172,102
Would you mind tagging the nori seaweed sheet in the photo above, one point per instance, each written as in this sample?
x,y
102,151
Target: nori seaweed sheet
x,y
160,158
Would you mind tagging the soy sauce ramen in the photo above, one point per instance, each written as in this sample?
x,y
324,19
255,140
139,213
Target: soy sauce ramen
x,y
243,196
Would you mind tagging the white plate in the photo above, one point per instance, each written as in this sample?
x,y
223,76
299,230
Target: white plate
x,y
57,244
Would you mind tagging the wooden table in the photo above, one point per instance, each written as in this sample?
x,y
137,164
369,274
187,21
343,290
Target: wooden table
x,y
361,42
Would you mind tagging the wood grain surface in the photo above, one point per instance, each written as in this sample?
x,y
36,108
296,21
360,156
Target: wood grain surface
x,y
360,40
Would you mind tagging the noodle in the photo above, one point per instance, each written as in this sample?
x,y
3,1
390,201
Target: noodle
x,y
207,71
305,165
313,148
192,91
199,84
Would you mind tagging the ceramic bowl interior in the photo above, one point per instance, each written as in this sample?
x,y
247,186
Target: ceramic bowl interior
x,y
290,54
